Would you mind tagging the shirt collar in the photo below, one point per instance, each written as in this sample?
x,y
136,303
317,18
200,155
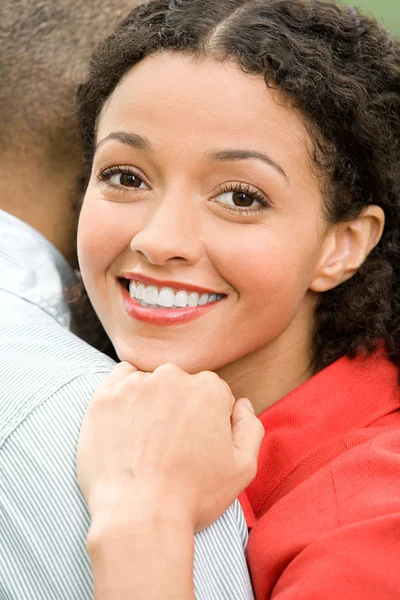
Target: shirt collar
x,y
349,394
33,269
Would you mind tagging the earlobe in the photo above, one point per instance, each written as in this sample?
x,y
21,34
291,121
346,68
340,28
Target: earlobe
x,y
345,248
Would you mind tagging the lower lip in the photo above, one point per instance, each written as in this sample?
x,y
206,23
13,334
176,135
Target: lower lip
x,y
163,316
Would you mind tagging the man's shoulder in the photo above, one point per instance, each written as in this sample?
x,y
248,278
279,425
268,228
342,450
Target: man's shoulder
x,y
39,359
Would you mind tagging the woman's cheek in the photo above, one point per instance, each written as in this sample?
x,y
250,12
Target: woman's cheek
x,y
102,235
97,243
87,240
254,262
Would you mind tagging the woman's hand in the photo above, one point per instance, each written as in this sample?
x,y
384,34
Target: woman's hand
x,y
166,443
160,456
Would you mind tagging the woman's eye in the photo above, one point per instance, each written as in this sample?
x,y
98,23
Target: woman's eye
x,y
127,180
238,199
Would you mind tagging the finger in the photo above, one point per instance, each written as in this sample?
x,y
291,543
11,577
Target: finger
x,y
229,395
119,373
169,369
247,430
213,382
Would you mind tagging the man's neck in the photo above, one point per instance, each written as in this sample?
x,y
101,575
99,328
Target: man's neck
x,y
43,202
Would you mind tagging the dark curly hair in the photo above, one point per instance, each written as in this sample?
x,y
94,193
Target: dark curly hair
x,y
341,70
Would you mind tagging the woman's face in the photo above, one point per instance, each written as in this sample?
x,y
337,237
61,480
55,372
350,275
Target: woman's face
x,y
202,227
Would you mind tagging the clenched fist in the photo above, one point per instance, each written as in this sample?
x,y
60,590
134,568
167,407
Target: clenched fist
x,y
166,443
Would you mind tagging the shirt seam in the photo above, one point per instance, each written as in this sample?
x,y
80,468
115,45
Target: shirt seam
x,y
339,524
46,399
47,305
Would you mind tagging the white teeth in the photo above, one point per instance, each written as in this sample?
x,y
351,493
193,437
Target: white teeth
x,y
203,299
151,295
132,289
140,291
181,299
193,299
166,297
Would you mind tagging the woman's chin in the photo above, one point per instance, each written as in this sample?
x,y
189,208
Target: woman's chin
x,y
148,362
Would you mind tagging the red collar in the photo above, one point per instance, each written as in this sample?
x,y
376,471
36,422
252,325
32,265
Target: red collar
x,y
349,394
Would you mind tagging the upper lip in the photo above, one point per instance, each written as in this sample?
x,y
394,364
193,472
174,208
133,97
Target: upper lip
x,y
177,285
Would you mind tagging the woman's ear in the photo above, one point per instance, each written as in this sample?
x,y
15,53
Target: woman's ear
x,y
345,248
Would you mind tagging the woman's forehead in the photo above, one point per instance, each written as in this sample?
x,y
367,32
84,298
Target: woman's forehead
x,y
171,98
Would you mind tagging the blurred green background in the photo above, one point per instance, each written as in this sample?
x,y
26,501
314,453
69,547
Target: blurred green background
x,y
387,11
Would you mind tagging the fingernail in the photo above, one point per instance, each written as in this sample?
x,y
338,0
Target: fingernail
x,y
249,404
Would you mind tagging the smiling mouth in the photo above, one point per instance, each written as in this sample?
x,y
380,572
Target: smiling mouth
x,y
151,296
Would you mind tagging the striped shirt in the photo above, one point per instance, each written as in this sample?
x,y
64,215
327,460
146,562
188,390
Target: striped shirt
x,y
47,377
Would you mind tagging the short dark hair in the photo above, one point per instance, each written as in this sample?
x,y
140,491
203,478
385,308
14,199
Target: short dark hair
x,y
341,71
46,46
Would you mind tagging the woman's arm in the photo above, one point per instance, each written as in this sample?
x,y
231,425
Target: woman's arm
x,y
142,558
160,456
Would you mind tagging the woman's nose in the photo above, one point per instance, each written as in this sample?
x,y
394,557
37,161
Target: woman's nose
x,y
169,234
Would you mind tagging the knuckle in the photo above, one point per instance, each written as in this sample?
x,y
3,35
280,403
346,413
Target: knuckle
x,y
123,364
100,403
124,389
209,376
168,369
133,382
137,377
211,380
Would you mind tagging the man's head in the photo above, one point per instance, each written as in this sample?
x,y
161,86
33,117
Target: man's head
x,y
45,50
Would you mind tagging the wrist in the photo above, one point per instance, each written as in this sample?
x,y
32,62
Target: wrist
x,y
111,513
142,558
117,527
115,502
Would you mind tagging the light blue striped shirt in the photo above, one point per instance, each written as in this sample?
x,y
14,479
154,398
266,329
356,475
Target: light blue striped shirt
x,y
47,377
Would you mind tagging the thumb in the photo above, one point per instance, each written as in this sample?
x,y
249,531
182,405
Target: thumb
x,y
247,432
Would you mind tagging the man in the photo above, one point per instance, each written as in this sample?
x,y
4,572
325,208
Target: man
x,y
47,374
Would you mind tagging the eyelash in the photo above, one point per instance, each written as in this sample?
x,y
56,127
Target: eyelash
x,y
105,175
244,188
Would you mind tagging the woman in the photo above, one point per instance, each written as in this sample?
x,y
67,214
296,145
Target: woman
x,y
244,161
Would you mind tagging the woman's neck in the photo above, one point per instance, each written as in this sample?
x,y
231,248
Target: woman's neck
x,y
268,374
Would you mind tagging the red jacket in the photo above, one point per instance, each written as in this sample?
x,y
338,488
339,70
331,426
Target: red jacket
x,y
324,509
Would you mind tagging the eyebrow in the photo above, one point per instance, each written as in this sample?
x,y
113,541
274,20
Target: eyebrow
x,y
226,155
130,139
140,142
